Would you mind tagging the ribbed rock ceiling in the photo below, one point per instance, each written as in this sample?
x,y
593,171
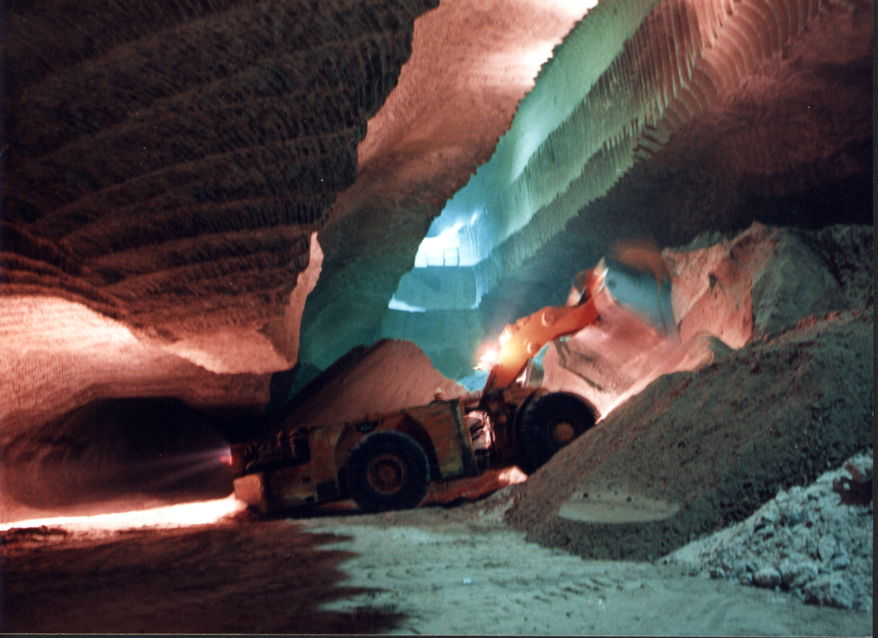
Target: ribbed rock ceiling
x,y
652,119
180,176
166,162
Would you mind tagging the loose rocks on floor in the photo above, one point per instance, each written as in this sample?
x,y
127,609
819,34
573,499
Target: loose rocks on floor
x,y
813,542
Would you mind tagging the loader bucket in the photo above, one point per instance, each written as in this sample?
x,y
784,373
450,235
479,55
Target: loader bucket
x,y
642,292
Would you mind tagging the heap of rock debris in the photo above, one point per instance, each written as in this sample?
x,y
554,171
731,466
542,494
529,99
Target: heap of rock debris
x,y
814,542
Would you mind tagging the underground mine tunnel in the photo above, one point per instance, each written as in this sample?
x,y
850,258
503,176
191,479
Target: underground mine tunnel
x,y
206,205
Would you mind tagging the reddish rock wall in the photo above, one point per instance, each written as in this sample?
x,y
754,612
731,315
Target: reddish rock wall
x,y
725,296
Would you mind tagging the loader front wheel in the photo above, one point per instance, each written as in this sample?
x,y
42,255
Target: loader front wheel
x,y
387,470
550,423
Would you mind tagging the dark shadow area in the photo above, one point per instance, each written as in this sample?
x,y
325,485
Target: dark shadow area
x,y
849,201
116,448
241,576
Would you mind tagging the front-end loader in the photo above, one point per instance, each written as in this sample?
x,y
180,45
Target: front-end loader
x,y
387,461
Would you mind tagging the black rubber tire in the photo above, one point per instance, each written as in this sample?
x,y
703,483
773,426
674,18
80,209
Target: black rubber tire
x,y
549,423
387,470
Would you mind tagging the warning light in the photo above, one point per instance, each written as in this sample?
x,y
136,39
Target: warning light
x,y
487,360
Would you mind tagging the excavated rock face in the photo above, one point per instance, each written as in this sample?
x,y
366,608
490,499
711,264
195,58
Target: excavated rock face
x,y
472,63
724,296
166,163
715,437
165,168
661,120
179,177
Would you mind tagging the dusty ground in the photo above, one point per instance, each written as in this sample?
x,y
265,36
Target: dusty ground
x,y
235,576
458,571
434,570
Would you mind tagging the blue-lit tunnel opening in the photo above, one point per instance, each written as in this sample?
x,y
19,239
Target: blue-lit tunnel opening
x,y
436,303
572,137
443,277
451,244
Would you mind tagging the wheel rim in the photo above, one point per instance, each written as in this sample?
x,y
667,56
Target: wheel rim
x,y
386,474
562,432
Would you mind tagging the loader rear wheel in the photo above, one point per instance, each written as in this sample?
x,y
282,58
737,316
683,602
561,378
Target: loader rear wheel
x,y
550,423
387,471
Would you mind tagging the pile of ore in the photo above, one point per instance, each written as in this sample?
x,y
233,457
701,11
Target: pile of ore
x,y
703,449
814,542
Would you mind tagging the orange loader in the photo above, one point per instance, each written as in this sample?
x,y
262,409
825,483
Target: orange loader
x,y
387,461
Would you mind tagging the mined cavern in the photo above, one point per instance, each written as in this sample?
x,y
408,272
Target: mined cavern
x,y
206,204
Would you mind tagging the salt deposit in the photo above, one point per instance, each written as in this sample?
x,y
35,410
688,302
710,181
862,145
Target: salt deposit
x,y
807,541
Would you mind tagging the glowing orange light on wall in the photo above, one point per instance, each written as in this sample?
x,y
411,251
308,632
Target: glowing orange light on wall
x,y
511,476
487,360
182,515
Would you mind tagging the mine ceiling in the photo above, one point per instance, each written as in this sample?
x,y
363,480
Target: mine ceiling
x,y
198,194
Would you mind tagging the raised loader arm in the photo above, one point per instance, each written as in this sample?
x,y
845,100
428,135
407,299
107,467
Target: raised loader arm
x,y
522,340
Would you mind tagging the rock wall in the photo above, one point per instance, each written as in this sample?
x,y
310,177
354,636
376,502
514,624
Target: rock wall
x,y
725,295
767,278
697,450
662,120
166,164
472,63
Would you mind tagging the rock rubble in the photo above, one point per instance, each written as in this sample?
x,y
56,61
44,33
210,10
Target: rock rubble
x,y
808,541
